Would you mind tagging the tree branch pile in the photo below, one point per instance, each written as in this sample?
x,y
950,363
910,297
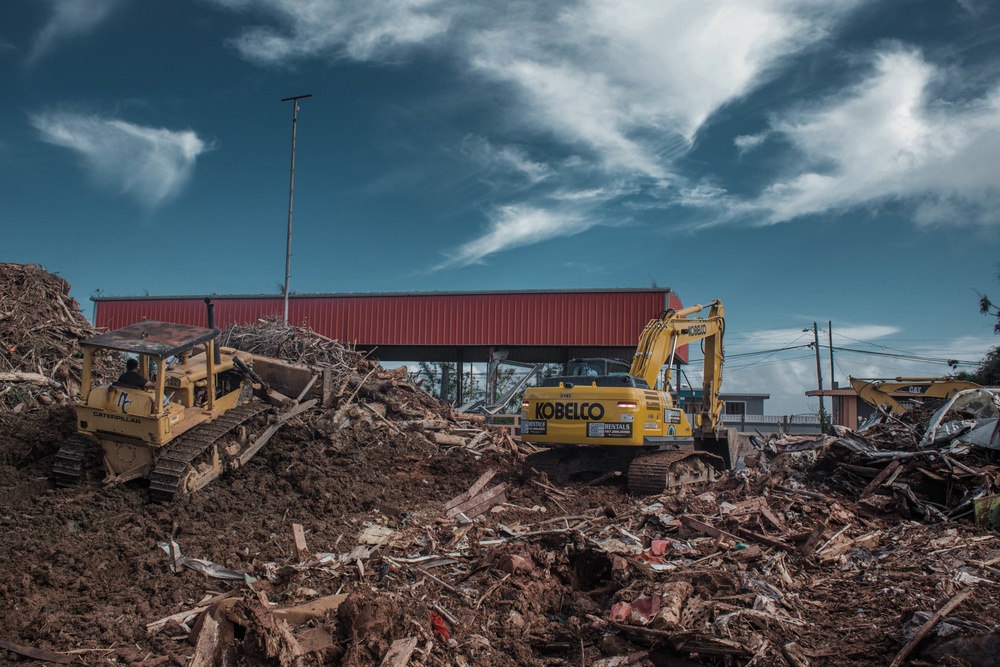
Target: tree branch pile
x,y
363,397
40,329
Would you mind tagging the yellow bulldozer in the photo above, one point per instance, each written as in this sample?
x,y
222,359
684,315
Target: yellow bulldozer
x,y
194,419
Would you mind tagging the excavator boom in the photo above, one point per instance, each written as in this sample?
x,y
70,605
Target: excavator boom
x,y
663,335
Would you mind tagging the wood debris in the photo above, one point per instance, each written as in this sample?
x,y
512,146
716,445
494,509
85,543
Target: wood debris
x,y
422,551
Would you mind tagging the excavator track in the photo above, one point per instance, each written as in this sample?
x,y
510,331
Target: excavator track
x,y
652,474
67,467
175,463
561,464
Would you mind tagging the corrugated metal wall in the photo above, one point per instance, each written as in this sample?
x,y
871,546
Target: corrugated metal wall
x,y
569,318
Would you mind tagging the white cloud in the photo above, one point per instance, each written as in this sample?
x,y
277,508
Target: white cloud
x,y
70,18
507,159
748,142
634,81
624,86
887,138
514,226
356,29
149,164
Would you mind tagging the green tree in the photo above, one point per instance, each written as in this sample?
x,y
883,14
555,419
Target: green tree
x,y
434,373
988,372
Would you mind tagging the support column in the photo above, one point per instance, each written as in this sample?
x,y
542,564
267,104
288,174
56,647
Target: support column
x,y
460,397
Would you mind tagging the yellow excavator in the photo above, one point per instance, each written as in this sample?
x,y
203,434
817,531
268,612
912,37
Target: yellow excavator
x,y
194,419
877,392
596,419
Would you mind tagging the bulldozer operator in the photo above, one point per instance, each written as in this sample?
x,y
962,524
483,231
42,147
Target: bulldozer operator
x,y
133,378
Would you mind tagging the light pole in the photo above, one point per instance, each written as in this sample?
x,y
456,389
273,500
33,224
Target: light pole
x,y
291,195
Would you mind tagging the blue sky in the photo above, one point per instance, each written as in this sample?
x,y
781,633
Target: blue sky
x,y
802,160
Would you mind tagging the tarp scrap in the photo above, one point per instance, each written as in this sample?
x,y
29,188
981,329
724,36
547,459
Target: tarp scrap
x,y
206,567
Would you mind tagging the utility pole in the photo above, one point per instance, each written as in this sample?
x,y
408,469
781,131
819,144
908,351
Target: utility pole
x,y
829,333
291,195
833,382
819,380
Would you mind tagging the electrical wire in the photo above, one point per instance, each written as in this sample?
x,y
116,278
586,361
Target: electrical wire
x,y
909,357
775,362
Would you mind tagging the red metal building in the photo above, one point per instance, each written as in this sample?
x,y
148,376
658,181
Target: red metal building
x,y
532,326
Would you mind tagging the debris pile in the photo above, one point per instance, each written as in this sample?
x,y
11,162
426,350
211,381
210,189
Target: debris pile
x,y
361,397
382,528
40,329
270,337
937,462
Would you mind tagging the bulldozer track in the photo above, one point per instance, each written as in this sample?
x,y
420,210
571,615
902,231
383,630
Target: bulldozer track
x,y
175,462
67,467
652,474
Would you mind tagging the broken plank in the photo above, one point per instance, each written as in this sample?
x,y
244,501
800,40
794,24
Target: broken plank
x,y
37,653
476,487
206,642
486,505
707,529
928,626
773,519
763,539
301,550
750,506
476,501
879,478
399,653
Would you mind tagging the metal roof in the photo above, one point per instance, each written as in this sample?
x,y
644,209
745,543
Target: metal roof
x,y
348,295
160,339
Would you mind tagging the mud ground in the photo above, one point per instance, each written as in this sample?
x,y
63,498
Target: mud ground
x,y
82,573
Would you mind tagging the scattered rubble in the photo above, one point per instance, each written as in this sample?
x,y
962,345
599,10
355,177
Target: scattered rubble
x,y
361,536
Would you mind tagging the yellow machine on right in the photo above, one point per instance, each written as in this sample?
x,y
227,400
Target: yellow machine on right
x,y
595,419
878,392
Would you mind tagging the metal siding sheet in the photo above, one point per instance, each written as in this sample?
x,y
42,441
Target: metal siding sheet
x,y
594,319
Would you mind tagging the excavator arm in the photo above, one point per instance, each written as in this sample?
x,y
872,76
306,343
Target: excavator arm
x,y
660,340
878,392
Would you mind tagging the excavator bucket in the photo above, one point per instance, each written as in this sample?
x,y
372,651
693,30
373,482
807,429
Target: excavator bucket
x,y
726,443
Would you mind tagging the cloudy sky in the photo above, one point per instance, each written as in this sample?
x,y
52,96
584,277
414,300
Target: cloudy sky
x,y
803,160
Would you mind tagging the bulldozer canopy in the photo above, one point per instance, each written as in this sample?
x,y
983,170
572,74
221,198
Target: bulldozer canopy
x,y
159,339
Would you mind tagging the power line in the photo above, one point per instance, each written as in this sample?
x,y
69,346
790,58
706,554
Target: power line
x,y
762,362
740,355
911,357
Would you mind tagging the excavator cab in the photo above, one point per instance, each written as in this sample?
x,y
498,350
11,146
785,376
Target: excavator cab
x,y
592,367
